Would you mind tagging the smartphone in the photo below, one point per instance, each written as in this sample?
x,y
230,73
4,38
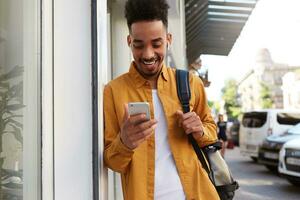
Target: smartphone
x,y
138,108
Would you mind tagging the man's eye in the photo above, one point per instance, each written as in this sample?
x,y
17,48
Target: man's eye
x,y
156,45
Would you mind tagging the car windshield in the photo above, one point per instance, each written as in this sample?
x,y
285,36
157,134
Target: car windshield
x,y
288,118
254,119
295,129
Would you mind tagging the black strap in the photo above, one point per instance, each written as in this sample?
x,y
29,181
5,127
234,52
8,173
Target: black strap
x,y
183,89
184,95
228,188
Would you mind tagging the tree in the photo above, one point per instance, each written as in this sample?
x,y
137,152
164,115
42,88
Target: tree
x,y
230,96
210,103
265,96
214,105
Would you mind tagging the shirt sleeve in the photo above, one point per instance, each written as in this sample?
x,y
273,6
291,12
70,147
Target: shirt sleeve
x,y
116,155
202,109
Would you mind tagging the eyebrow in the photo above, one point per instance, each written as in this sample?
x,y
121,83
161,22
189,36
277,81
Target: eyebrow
x,y
137,41
154,40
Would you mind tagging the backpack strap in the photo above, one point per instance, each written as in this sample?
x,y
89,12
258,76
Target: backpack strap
x,y
184,95
183,89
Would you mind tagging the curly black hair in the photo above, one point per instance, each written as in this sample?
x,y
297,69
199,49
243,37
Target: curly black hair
x,y
146,10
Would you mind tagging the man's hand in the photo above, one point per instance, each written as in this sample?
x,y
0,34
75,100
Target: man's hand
x,y
136,129
191,123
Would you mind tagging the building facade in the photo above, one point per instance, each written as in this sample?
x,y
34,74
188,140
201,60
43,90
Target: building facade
x,y
291,90
265,75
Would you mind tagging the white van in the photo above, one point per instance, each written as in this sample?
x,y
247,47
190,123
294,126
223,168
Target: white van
x,y
257,125
289,161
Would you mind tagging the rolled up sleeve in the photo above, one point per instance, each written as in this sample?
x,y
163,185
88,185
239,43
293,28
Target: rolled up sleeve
x,y
202,109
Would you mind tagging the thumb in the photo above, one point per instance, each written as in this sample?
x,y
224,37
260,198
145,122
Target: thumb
x,y
179,113
126,115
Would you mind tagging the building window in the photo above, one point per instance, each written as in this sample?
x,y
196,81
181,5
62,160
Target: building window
x,y
19,100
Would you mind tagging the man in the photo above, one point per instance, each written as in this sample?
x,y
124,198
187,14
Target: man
x,y
154,157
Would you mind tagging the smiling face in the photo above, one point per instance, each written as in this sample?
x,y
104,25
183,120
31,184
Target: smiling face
x,y
148,42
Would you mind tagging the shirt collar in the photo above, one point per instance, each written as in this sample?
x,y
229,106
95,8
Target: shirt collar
x,y
139,80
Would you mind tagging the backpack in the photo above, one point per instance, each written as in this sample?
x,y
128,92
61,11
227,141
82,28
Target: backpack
x,y
209,156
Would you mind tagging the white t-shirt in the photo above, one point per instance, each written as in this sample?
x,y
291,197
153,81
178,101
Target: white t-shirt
x,y
167,183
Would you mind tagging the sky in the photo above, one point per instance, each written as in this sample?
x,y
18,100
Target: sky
x,y
274,24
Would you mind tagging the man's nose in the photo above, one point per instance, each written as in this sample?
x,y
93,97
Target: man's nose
x,y
148,53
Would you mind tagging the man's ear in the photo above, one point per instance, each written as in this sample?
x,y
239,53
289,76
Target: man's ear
x,y
129,40
169,38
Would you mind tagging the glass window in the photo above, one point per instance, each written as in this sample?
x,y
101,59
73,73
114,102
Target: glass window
x,y
288,118
19,100
254,119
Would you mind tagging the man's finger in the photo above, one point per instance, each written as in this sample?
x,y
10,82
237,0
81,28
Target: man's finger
x,y
188,115
145,133
191,120
189,127
145,125
138,118
194,129
179,113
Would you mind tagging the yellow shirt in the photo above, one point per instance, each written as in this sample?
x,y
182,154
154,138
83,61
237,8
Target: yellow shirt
x,y
137,166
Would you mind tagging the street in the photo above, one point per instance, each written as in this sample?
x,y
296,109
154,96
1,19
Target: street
x,y
256,182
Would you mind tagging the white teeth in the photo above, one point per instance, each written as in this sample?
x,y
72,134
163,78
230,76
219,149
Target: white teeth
x,y
149,63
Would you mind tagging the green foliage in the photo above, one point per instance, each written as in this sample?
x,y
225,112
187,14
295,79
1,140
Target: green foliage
x,y
265,96
210,103
217,106
230,96
11,101
214,105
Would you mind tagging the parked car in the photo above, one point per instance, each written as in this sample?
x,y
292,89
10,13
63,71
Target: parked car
x,y
234,132
257,125
289,161
268,153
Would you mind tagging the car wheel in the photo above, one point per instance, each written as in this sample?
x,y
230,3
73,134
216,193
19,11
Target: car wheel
x,y
273,169
254,159
294,182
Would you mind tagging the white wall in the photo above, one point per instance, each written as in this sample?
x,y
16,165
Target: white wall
x,y
120,52
72,100
177,29
104,75
47,103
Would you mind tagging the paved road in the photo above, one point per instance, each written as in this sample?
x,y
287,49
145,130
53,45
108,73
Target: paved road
x,y
256,182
